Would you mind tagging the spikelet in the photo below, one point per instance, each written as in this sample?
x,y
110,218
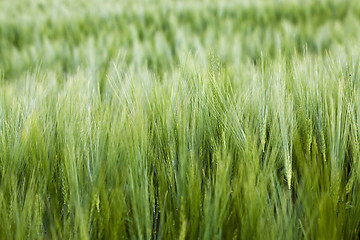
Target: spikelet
x,y
308,135
321,135
335,182
288,169
322,146
235,236
288,139
183,222
263,129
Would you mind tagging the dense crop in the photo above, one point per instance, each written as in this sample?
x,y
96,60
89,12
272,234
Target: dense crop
x,y
179,120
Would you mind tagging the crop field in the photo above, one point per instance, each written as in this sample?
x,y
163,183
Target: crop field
x,y
179,119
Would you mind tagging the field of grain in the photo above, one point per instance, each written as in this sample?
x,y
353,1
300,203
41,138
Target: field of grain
x,y
179,119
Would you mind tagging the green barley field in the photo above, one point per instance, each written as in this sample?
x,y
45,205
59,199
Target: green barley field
x,y
179,119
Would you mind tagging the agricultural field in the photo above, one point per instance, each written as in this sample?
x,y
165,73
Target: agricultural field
x,y
179,119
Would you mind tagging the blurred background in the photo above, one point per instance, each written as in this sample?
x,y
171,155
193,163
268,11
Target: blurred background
x,y
62,36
